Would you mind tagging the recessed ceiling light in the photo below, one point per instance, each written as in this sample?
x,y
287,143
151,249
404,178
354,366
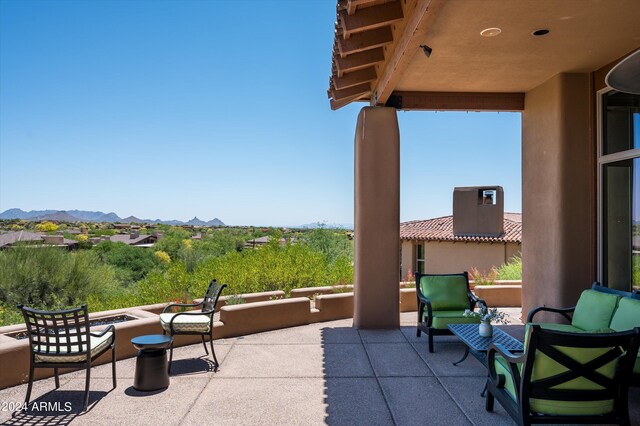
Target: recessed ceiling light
x,y
490,32
541,32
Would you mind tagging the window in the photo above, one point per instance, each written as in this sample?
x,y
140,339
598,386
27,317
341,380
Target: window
x,y
619,215
420,258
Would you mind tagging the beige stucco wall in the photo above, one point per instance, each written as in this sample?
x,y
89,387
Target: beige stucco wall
x,y
449,257
558,192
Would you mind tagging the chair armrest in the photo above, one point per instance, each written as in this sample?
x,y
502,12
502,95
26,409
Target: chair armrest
x,y
562,311
473,299
422,302
180,305
108,328
513,360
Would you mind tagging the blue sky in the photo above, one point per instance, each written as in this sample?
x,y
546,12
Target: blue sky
x,y
175,109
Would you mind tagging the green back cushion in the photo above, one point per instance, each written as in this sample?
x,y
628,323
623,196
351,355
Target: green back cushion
x,y
594,310
446,292
627,316
544,367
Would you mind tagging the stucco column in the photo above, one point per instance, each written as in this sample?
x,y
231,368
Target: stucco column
x,y
377,219
558,193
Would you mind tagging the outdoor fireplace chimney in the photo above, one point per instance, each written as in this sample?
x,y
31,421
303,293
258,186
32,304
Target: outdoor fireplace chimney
x,y
478,211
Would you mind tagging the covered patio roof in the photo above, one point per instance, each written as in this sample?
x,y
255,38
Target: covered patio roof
x,y
430,54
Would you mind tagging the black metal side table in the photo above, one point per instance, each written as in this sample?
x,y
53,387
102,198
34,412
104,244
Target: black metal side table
x,y
152,367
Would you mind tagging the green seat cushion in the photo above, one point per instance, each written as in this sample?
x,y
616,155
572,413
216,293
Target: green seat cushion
x,y
443,318
445,292
186,323
98,345
594,310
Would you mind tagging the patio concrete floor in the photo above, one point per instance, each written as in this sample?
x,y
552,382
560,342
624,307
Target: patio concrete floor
x,y
323,373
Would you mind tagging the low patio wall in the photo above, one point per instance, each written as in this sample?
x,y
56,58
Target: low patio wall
x,y
261,312
504,295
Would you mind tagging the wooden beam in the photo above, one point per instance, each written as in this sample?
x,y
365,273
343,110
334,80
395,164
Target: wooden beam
x,y
365,41
350,92
339,104
354,78
457,101
418,21
370,18
358,60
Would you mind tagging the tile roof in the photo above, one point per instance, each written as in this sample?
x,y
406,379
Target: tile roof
x,y
126,238
17,236
441,229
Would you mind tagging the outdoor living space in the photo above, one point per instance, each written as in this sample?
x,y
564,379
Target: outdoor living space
x,y
322,373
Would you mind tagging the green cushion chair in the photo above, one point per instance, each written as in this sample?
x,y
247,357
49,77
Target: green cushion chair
x,y
599,310
193,322
442,300
564,377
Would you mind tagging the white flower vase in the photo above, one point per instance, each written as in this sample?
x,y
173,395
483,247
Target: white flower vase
x,y
485,329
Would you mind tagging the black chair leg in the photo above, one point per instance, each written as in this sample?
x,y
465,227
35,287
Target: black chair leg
x,y
204,344
170,356
86,387
418,332
430,343
213,352
489,402
113,364
55,373
30,386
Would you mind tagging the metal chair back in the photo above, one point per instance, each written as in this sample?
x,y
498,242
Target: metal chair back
x,y
58,332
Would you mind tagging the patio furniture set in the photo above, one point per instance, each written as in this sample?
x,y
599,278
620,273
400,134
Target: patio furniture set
x,y
578,372
562,373
62,339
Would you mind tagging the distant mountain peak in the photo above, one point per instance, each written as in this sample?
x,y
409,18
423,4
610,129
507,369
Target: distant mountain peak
x,y
94,216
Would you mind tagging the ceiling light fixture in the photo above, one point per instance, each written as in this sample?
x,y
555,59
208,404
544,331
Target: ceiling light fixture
x,y
426,49
540,32
490,32
625,76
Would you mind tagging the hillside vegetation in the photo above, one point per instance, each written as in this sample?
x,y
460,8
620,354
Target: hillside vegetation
x,y
114,275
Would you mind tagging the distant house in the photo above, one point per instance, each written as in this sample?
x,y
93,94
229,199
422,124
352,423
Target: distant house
x,y
478,235
25,237
135,239
260,241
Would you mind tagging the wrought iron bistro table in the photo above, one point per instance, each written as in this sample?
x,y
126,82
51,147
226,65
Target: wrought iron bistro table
x,y
152,369
478,346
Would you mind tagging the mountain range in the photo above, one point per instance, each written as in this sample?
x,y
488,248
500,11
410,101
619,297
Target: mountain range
x,y
91,216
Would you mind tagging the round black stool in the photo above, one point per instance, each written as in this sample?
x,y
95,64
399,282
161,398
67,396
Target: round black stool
x,y
151,364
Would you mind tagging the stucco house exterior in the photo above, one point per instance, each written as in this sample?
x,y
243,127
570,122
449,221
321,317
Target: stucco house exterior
x,y
430,246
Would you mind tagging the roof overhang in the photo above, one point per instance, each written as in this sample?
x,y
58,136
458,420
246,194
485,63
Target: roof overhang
x,y
378,54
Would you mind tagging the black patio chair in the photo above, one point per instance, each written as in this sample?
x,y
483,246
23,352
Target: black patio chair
x,y
564,377
193,322
442,300
62,339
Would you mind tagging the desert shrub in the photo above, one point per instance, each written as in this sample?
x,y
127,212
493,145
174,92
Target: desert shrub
x,y
132,263
47,227
483,277
333,244
162,256
511,270
51,278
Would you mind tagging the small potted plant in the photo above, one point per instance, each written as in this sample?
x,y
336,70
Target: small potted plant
x,y
485,329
